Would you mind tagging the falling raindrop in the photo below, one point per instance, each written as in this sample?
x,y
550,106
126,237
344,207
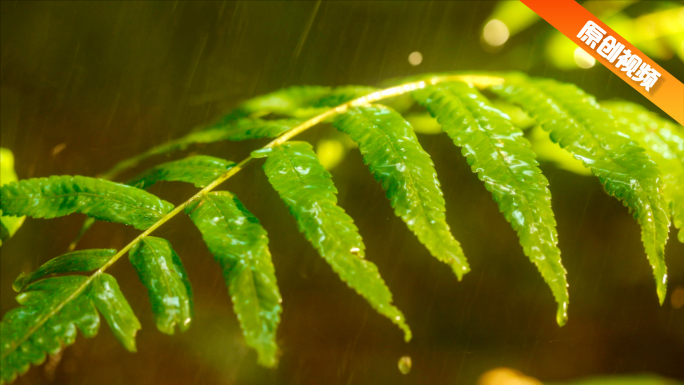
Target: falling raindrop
x,y
415,58
405,364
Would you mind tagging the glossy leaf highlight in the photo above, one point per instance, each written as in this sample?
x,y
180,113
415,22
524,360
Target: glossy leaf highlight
x,y
57,196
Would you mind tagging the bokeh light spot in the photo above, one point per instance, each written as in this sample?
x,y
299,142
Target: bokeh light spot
x,y
677,298
495,33
583,59
415,58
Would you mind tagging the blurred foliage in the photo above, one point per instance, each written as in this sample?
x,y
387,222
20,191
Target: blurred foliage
x,y
8,225
654,27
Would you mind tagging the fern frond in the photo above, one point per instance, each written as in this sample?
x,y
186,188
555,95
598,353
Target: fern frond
x,y
503,160
396,159
307,189
578,124
161,271
8,224
240,245
199,170
100,199
34,329
664,143
76,261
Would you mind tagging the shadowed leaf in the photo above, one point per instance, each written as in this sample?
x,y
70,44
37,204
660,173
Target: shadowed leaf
x,y
25,341
76,261
199,170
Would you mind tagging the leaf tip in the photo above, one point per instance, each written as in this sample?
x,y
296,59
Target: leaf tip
x,y
459,269
407,333
662,290
268,360
18,284
562,313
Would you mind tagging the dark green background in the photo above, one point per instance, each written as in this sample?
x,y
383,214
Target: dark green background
x,y
104,81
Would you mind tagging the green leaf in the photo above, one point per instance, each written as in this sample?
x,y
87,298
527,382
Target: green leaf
x,y
285,101
298,102
306,188
8,225
103,200
240,245
243,129
110,301
396,159
199,170
334,98
161,271
548,151
341,95
7,173
24,341
503,160
664,143
76,261
577,123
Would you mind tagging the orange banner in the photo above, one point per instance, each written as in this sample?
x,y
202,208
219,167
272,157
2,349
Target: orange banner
x,y
616,53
